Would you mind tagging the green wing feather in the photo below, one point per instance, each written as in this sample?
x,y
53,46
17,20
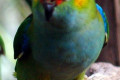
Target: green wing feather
x,y
21,40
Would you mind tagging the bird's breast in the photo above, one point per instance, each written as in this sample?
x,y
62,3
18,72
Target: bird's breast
x,y
69,52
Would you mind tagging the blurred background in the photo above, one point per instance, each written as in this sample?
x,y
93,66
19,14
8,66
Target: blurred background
x,y
13,12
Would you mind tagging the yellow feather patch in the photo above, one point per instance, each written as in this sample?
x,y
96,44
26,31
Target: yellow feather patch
x,y
80,3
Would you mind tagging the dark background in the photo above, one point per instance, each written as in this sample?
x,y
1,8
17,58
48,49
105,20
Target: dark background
x,y
111,52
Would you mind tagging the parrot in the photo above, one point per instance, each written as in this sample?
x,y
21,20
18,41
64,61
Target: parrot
x,y
60,40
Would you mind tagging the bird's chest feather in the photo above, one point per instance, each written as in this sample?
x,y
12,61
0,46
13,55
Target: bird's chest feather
x,y
72,50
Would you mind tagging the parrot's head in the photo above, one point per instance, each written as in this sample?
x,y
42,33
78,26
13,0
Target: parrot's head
x,y
47,6
60,11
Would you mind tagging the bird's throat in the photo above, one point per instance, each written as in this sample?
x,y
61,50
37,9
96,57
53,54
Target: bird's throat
x,y
48,8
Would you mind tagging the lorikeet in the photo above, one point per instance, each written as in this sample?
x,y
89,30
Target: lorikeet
x,y
60,39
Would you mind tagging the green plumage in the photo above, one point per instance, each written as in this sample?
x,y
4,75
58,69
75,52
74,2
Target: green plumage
x,y
61,47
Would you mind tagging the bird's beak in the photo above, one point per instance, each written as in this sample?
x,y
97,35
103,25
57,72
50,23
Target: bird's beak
x,y
49,8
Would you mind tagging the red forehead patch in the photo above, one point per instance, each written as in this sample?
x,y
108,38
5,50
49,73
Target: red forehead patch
x,y
58,2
